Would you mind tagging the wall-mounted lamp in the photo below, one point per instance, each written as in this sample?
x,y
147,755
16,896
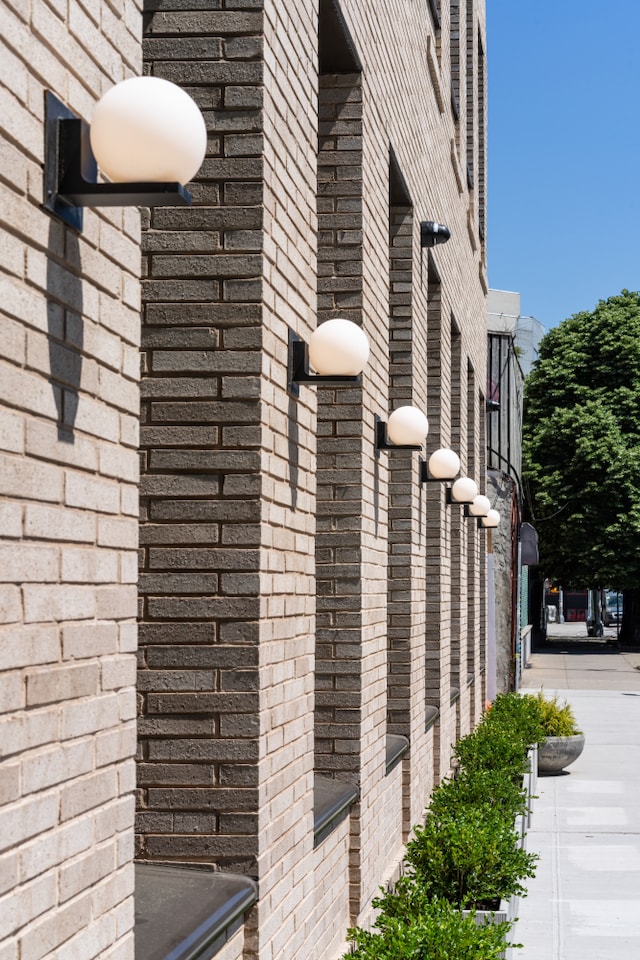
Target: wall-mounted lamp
x,y
464,490
432,233
147,135
444,464
492,519
338,351
479,506
406,429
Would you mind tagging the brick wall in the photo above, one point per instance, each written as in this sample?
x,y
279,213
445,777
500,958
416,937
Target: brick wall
x,y
200,443
258,508
340,430
288,890
192,531
402,486
68,506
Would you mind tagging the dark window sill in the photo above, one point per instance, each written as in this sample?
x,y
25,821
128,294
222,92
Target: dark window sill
x,y
397,746
454,695
187,913
455,106
431,715
469,176
332,800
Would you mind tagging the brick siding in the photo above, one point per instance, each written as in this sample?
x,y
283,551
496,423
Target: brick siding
x,y
301,595
68,502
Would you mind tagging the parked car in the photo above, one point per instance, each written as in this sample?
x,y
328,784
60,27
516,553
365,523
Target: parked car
x,y
612,608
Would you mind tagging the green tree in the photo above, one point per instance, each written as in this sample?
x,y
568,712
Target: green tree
x,y
581,451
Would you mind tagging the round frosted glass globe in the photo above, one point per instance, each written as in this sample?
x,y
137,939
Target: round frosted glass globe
x,y
444,464
146,128
464,490
407,426
480,506
338,348
492,519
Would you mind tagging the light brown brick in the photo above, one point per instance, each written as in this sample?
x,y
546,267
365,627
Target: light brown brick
x,y
56,684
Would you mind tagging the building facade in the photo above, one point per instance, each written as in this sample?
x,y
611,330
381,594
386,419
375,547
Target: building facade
x,y
504,316
509,634
309,617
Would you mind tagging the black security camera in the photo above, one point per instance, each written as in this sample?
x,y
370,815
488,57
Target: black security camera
x,y
432,233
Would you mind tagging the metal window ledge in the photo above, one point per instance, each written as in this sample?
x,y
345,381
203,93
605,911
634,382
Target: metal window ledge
x,y
187,912
454,695
397,746
332,800
431,715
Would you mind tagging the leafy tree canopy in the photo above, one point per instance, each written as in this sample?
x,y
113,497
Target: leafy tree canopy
x,y
581,446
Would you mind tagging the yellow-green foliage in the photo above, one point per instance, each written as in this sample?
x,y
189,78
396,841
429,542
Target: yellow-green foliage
x,y
557,718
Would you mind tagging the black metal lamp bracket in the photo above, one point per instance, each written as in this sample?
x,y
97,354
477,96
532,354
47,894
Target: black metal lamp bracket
x,y
70,173
382,440
425,476
299,368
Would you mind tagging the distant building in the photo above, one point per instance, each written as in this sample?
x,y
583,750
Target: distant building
x,y
503,315
512,349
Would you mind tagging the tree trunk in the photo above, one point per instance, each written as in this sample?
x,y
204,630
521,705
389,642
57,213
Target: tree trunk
x,y
630,629
595,628
536,610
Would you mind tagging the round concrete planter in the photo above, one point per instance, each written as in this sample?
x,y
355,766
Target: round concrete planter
x,y
556,753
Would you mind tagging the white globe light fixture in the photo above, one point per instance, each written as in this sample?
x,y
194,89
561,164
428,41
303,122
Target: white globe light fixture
x,y
464,490
407,426
444,464
338,347
148,129
479,506
492,519
148,136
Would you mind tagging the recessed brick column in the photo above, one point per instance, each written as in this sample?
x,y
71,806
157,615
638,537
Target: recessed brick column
x,y
340,427
439,520
200,442
402,605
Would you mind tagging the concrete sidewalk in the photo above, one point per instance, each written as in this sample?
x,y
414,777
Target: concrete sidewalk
x,y
584,903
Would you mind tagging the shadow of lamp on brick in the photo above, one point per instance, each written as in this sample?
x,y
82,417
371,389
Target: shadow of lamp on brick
x,y
147,136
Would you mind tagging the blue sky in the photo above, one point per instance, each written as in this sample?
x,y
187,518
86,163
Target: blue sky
x,y
563,220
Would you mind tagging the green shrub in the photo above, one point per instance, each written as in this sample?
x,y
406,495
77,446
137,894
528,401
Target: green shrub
x,y
470,856
467,855
437,931
519,715
477,788
492,747
557,719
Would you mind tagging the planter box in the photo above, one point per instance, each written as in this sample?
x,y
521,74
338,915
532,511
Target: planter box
x,y
507,910
532,788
